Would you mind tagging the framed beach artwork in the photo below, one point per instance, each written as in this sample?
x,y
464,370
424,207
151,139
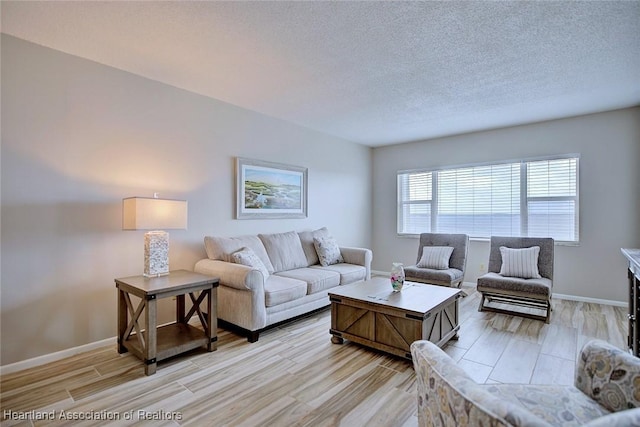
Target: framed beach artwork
x,y
270,190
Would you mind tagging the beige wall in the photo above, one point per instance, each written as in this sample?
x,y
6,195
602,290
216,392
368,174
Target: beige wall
x,y
78,136
609,145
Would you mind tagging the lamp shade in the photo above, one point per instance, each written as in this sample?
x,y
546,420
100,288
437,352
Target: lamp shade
x,y
146,213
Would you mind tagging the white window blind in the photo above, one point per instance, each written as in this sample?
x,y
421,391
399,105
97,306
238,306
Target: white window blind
x,y
415,195
524,198
552,198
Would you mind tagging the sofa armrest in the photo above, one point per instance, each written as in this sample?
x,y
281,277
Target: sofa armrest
x,y
609,375
448,396
358,256
232,275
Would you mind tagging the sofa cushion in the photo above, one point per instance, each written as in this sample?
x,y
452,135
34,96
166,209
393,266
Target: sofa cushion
x,y
328,250
317,279
349,273
278,290
306,239
221,248
284,250
246,256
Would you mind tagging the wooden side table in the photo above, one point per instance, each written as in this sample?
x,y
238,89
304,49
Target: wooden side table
x,y
155,344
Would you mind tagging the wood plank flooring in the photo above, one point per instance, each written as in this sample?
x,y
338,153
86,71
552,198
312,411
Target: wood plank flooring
x,y
295,376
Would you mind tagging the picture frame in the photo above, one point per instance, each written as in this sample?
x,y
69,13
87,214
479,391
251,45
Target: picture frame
x,y
266,190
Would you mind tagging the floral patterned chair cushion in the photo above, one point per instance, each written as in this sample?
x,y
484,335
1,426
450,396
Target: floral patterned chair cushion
x,y
557,405
447,396
609,376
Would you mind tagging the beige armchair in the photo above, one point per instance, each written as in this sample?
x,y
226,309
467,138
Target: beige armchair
x,y
606,393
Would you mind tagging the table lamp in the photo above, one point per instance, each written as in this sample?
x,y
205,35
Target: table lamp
x,y
156,215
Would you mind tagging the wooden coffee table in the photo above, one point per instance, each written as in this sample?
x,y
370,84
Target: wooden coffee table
x,y
370,313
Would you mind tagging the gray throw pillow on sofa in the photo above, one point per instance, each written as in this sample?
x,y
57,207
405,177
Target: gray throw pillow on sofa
x,y
246,256
328,251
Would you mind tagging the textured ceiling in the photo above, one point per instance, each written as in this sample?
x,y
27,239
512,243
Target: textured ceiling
x,y
371,72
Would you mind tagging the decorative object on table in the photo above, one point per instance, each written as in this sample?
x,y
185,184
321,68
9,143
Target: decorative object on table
x,y
270,190
156,215
397,276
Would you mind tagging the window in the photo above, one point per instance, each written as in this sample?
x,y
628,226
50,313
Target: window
x,y
524,198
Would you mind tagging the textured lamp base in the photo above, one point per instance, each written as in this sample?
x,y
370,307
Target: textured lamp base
x,y
156,253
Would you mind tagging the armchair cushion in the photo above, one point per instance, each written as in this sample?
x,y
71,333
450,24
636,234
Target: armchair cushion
x,y
532,288
435,257
520,262
555,404
427,274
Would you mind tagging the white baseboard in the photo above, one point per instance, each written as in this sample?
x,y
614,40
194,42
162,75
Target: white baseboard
x,y
593,300
59,355
558,296
54,357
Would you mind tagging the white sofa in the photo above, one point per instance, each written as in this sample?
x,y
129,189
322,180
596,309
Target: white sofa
x,y
293,284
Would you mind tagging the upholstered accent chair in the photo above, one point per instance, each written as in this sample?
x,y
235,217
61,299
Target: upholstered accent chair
x,y
604,394
515,278
440,269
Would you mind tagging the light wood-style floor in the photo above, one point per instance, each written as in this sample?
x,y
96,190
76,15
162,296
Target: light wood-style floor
x,y
294,375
